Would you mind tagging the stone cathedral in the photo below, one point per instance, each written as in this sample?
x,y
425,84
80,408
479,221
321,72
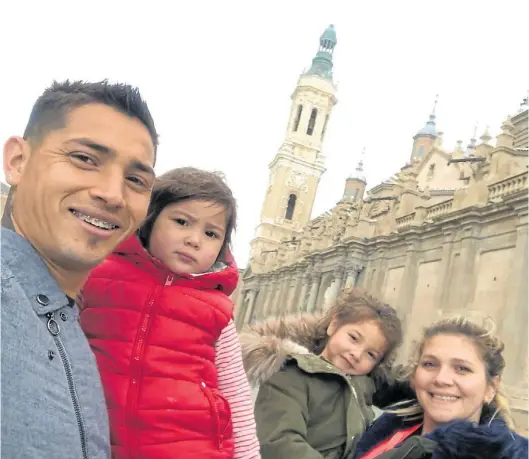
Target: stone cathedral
x,y
448,232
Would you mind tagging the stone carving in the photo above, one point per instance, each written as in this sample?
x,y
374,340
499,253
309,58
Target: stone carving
x,y
298,180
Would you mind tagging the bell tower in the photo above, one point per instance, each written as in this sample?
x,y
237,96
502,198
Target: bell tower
x,y
297,167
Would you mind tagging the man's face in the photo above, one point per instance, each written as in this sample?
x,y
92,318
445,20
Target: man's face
x,y
84,188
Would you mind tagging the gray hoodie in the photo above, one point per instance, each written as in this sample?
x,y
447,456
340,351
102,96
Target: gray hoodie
x,y
52,400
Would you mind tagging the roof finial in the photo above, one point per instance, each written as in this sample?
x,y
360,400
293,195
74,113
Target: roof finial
x,y
485,137
429,127
432,116
359,171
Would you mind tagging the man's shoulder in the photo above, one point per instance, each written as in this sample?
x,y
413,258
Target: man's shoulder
x,y
15,250
25,276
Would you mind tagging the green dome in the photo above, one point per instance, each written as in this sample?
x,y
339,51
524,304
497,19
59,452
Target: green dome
x,y
322,63
329,35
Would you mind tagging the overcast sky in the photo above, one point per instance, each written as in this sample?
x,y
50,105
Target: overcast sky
x,y
218,76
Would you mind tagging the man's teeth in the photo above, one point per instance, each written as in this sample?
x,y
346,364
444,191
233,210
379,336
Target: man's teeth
x,y
447,398
95,221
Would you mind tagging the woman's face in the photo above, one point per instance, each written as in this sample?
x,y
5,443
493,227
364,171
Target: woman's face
x,y
451,381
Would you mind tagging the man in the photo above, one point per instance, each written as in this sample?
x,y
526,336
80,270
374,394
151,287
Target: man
x,y
81,179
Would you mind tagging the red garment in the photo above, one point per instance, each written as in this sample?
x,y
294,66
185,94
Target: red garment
x,y
153,335
391,442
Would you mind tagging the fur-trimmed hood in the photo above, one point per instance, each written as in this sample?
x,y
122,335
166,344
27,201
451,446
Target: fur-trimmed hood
x,y
267,345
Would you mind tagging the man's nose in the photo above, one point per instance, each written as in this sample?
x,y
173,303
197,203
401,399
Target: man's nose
x,y
110,188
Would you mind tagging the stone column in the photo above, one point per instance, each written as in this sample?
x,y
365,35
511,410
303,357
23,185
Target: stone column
x,y
404,303
242,307
443,287
249,308
282,307
313,296
513,328
270,297
302,300
336,285
467,282
275,305
352,276
260,305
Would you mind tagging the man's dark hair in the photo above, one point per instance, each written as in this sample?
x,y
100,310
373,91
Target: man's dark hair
x,y
52,107
188,183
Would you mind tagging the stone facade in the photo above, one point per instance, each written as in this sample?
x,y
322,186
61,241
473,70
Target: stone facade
x,y
448,233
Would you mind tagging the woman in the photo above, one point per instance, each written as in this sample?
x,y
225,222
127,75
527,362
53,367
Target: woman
x,y
459,411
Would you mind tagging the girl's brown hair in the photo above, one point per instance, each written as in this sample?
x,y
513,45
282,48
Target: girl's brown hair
x,y
355,306
489,347
187,183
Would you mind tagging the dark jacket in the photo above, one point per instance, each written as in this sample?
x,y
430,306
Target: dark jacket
x,y
305,408
456,440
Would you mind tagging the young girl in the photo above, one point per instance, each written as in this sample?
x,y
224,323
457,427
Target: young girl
x,y
159,320
459,410
316,376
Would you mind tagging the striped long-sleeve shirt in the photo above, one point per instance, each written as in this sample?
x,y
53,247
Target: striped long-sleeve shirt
x,y
235,387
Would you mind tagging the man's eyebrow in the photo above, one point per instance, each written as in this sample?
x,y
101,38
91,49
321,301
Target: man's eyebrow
x,y
94,146
142,167
135,164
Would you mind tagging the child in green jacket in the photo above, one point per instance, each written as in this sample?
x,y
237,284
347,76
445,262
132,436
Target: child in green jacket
x,y
317,376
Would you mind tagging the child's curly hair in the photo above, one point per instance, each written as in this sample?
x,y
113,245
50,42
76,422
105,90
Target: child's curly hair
x,y
354,306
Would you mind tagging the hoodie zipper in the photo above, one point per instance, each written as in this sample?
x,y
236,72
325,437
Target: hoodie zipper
x,y
55,329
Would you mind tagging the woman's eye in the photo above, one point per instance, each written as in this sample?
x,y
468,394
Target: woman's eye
x,y
427,364
353,337
463,369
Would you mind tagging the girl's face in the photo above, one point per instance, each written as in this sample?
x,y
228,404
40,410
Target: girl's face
x,y
451,381
187,236
355,348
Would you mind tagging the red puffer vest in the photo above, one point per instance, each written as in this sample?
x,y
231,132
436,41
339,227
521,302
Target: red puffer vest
x,y
153,334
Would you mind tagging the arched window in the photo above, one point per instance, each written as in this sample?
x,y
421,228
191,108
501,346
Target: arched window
x,y
420,151
290,207
312,121
298,116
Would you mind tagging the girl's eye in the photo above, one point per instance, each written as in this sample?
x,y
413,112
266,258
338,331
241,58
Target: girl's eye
x,y
373,356
211,234
353,337
181,221
83,158
427,364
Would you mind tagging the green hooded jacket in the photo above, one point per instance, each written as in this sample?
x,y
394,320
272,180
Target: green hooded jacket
x,y
304,406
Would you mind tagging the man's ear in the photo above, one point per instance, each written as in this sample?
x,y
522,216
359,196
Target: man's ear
x,y
16,156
